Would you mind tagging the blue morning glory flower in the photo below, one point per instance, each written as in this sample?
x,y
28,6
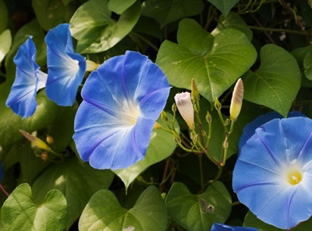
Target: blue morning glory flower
x,y
122,99
222,227
273,173
65,67
28,80
250,128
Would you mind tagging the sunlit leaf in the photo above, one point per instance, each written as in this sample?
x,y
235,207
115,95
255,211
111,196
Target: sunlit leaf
x,y
5,43
277,81
77,181
95,31
20,212
198,212
161,146
214,62
103,212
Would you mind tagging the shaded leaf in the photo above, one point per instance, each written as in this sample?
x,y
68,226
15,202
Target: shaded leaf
x,y
20,212
11,123
224,5
119,6
249,112
103,212
199,212
307,64
50,13
214,62
22,153
167,11
233,20
277,81
95,31
161,146
3,16
252,221
77,181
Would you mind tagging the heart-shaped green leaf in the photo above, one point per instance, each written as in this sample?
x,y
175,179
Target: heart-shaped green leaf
x,y
103,212
199,212
94,29
233,20
68,177
277,81
20,212
119,6
167,11
214,62
224,5
5,43
161,146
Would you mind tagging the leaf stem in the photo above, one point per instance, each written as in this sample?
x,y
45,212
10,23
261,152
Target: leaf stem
x,y
145,40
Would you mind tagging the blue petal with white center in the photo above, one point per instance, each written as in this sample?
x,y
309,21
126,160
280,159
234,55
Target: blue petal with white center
x,y
122,100
28,80
273,173
65,67
222,227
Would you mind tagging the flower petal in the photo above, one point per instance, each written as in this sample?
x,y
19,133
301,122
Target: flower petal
x,y
222,227
110,117
250,128
22,97
273,174
65,68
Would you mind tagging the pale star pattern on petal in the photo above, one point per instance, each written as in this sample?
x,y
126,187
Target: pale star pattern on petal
x,y
122,100
65,67
273,173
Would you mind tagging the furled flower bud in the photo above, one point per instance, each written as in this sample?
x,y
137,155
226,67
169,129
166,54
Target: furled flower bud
x,y
35,141
195,96
237,100
185,107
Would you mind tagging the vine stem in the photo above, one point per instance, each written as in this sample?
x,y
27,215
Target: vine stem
x,y
4,191
201,172
278,30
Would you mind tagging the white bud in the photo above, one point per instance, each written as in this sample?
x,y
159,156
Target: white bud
x,y
185,107
237,99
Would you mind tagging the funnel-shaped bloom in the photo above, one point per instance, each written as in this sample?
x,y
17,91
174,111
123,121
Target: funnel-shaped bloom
x,y
222,227
28,80
185,107
273,173
65,68
122,99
